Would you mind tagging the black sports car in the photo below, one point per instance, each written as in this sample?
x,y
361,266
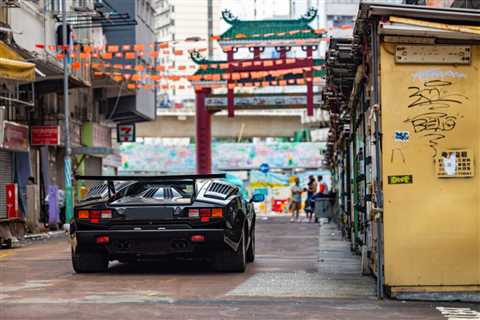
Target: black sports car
x,y
129,218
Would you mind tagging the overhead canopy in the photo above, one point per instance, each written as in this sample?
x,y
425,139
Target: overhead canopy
x,y
13,66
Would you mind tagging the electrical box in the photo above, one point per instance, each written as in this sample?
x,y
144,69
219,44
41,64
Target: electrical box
x,y
455,164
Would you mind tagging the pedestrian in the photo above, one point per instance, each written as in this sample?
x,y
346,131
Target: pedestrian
x,y
322,186
296,200
311,190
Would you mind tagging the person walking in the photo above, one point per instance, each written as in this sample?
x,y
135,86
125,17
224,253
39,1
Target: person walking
x,y
311,190
296,200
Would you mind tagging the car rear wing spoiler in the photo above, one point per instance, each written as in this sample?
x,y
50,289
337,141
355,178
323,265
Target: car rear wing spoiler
x,y
165,178
174,177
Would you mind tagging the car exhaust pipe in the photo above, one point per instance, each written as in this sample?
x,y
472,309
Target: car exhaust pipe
x,y
180,244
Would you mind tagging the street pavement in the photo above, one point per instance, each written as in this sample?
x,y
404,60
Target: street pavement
x,y
302,271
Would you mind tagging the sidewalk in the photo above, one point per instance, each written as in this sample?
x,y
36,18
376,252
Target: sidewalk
x,y
339,269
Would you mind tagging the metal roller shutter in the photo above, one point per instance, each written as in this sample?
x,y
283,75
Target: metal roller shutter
x,y
5,177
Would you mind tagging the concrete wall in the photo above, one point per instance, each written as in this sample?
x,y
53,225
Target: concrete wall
x,y
223,127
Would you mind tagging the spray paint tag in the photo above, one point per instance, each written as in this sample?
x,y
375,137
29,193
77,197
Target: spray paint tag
x,y
401,136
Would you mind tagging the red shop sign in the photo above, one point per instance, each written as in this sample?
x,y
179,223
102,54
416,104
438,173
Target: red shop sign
x,y
15,136
45,135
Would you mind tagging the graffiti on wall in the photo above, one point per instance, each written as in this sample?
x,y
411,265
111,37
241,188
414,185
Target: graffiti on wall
x,y
226,156
435,105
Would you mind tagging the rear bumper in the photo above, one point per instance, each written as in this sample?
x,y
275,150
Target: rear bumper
x,y
149,242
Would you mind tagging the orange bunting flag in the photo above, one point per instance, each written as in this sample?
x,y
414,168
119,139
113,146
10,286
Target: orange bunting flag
x,y
203,67
139,47
59,56
112,49
131,86
290,61
240,36
117,78
257,63
139,68
163,45
244,74
216,77
155,77
291,81
202,49
84,56
231,86
153,54
137,77
226,76
107,56
178,52
182,67
160,68
130,55
118,66
265,83
247,64
236,76
282,83
215,38
301,81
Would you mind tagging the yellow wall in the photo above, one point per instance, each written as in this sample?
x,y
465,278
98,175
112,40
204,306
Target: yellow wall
x,y
432,226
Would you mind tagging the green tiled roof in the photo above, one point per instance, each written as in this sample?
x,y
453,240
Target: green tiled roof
x,y
250,30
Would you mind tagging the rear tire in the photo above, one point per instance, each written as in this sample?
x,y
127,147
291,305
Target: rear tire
x,y
231,261
89,262
251,247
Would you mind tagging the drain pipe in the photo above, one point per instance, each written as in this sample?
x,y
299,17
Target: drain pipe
x,y
378,157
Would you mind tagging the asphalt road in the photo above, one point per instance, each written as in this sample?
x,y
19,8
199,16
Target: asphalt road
x,y
290,279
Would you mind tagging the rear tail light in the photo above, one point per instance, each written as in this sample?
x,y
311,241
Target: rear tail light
x,y
94,216
217,213
205,213
102,239
193,213
198,238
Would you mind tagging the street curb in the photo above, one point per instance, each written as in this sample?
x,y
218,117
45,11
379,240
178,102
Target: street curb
x,y
44,236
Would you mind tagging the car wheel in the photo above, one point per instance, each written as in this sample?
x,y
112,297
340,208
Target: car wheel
x,y
251,247
231,261
89,262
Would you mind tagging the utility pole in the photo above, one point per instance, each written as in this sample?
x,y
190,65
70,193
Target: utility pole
x,y
210,28
68,147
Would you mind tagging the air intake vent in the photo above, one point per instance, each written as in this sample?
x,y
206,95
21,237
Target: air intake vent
x,y
219,190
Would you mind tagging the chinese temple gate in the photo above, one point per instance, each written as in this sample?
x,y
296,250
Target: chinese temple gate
x,y
257,71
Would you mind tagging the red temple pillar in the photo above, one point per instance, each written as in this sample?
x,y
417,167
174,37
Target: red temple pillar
x,y
230,89
257,53
283,53
203,133
309,75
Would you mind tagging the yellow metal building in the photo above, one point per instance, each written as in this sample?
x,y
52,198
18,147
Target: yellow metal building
x,y
424,67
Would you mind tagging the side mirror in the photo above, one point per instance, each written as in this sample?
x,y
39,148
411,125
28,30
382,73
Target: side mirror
x,y
258,197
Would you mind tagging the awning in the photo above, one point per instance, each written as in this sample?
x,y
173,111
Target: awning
x,y
13,66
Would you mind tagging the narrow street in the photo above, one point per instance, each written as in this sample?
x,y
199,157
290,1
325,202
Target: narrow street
x,y
299,273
